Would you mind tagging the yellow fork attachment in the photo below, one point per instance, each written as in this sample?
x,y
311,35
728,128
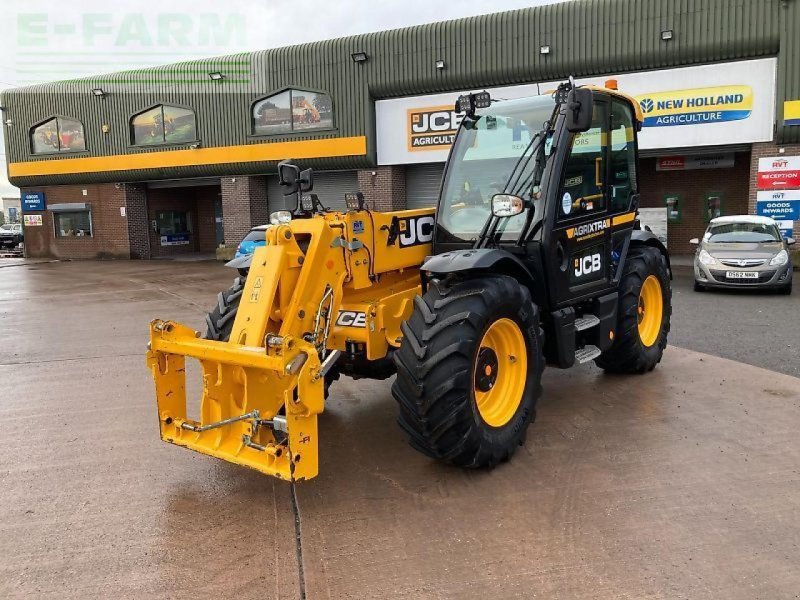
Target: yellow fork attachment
x,y
272,361
243,389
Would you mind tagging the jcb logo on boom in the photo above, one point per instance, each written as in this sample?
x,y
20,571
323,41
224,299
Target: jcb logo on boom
x,y
432,128
415,231
351,318
587,265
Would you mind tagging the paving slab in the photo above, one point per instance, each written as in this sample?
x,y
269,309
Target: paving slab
x,y
92,503
681,483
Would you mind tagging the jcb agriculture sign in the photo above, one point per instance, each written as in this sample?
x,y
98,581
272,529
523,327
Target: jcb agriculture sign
x,y
432,128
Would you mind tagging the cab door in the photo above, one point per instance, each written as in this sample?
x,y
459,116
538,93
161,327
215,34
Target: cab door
x,y
595,206
578,248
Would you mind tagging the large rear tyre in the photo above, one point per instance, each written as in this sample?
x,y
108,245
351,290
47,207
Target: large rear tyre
x,y
219,322
643,314
469,370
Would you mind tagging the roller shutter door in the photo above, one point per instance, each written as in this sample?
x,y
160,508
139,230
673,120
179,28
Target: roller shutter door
x,y
330,187
422,184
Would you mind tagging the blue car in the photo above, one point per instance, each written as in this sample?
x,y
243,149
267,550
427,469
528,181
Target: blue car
x,y
255,238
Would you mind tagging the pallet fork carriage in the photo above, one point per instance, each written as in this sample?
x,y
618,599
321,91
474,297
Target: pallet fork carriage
x,y
534,256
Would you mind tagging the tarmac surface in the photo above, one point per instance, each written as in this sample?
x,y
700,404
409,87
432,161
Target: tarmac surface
x,y
683,483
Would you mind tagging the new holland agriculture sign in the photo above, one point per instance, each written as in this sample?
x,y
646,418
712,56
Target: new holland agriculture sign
x,y
709,105
697,106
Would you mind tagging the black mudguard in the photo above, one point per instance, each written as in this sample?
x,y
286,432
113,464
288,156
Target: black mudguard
x,y
643,237
243,262
493,260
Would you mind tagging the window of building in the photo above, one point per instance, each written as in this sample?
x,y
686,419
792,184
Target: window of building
x,y
292,110
59,134
73,224
163,124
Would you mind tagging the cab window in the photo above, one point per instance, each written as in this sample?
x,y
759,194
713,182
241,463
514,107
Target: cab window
x,y
583,187
623,157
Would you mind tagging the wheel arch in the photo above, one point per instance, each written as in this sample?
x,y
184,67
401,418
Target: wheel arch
x,y
494,260
642,238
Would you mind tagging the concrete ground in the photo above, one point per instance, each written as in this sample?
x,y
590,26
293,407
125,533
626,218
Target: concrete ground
x,y
683,483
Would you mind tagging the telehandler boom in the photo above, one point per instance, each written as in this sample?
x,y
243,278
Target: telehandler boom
x,y
534,256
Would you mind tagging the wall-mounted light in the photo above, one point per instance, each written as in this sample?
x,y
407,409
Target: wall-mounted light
x,y
8,122
544,49
667,35
216,76
105,128
359,57
99,92
440,64
195,146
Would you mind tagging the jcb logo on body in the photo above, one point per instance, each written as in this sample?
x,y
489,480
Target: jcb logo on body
x,y
416,230
587,265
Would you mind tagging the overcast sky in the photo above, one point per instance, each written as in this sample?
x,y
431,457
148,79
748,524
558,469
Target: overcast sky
x,y
50,40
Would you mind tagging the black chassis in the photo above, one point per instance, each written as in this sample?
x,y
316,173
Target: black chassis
x,y
539,261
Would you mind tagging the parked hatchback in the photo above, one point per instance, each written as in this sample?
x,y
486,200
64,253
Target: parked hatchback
x,y
11,235
743,251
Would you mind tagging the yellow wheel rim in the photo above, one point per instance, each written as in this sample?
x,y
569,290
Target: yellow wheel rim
x,y
501,368
650,311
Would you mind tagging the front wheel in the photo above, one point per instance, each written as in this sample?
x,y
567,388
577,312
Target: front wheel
x,y
643,314
469,370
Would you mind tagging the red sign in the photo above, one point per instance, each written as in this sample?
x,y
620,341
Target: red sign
x,y
779,173
671,163
779,180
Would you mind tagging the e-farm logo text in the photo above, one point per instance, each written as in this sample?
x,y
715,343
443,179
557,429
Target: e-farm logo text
x,y
432,127
55,46
697,106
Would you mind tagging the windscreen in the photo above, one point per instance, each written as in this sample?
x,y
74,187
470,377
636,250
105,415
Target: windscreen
x,y
255,236
742,233
485,161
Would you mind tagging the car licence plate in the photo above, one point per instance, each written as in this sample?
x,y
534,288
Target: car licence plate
x,y
741,275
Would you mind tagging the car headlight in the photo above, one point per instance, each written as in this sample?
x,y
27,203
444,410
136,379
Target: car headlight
x,y
705,258
780,259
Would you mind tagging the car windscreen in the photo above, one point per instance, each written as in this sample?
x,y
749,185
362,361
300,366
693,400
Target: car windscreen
x,y
726,233
255,236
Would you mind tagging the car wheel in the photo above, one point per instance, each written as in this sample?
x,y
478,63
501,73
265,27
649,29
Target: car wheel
x,y
698,287
786,290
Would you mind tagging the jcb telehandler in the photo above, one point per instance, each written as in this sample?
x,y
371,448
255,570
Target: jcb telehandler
x,y
534,255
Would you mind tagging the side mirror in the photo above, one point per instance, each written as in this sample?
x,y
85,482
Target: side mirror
x,y
306,180
580,102
506,205
790,241
694,241
289,177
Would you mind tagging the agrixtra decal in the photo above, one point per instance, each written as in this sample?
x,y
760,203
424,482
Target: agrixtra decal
x,y
697,106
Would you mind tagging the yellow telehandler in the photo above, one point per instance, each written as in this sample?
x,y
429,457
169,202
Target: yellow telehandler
x,y
534,255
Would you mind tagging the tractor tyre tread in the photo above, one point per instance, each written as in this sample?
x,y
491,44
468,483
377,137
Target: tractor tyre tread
x,y
435,363
627,355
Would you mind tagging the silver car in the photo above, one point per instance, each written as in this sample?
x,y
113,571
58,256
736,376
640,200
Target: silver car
x,y
743,251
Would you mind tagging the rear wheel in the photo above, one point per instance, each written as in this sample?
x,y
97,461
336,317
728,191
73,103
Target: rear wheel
x,y
643,314
469,370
